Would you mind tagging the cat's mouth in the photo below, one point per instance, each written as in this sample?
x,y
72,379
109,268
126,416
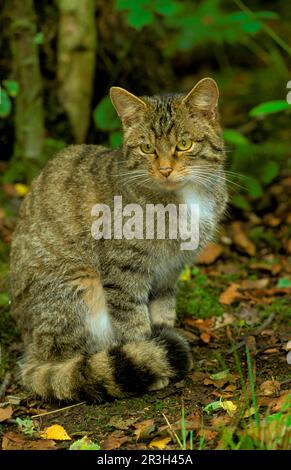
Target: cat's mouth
x,y
171,184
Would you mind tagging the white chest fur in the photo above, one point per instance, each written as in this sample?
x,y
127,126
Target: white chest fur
x,y
189,195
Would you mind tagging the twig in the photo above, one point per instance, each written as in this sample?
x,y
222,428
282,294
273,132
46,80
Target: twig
x,y
5,384
254,333
172,432
57,411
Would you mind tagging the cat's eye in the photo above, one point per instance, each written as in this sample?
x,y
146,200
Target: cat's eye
x,y
147,148
184,144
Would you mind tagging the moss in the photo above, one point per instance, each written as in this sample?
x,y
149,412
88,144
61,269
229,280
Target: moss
x,y
197,297
281,307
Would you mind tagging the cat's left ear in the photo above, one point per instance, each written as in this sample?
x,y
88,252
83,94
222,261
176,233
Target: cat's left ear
x,y
127,105
204,97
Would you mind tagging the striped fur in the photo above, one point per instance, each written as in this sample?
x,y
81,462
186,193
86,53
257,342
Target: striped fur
x,y
121,371
97,316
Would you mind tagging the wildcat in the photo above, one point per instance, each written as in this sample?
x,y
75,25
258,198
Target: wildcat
x,y
97,316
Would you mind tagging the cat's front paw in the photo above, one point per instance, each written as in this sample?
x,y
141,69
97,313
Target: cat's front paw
x,y
159,384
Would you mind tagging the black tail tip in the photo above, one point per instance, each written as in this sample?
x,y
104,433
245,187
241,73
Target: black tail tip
x,y
178,350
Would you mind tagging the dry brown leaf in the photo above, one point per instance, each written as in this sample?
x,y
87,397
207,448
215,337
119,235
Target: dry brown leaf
x,y
119,423
160,442
230,294
274,268
144,429
248,284
271,351
210,253
208,434
205,337
14,441
5,413
241,239
270,388
114,441
55,432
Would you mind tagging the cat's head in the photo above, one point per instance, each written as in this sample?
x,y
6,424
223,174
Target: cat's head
x,y
172,139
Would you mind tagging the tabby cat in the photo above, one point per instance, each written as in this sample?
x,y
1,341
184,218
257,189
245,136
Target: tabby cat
x,y
97,316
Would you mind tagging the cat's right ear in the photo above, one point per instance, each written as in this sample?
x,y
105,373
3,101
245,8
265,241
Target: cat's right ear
x,y
127,105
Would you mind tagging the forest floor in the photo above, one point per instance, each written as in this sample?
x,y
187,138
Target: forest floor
x,y
234,307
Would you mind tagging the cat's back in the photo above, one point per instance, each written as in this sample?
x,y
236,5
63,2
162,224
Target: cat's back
x,y
57,210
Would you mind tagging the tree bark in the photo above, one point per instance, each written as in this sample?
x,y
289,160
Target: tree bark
x,y
77,45
29,116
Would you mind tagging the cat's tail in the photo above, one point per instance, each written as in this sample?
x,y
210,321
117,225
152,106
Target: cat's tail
x,y
124,370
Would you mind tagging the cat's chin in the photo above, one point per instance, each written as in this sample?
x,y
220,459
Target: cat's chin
x,y
169,185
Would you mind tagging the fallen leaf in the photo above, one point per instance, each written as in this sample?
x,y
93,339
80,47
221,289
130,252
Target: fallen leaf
x,y
210,253
250,412
223,375
271,351
241,239
21,189
230,294
14,441
114,441
159,443
248,284
274,268
55,432
213,406
144,429
208,434
205,337
5,413
270,388
84,444
119,423
229,407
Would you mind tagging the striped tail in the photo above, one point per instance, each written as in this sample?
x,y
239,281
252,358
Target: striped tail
x,y
124,370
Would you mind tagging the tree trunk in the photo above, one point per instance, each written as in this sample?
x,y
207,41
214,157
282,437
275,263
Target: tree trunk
x,y
77,44
29,118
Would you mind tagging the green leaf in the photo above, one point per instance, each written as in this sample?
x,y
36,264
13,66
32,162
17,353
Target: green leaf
x,y
140,18
4,299
220,375
105,116
115,139
211,407
234,137
166,7
84,444
251,27
5,103
283,282
12,87
269,107
269,172
254,187
240,202
38,38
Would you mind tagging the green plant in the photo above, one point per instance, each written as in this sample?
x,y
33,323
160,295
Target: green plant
x,y
26,426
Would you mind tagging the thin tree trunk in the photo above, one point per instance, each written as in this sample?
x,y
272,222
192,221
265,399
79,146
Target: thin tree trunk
x,y
77,44
29,117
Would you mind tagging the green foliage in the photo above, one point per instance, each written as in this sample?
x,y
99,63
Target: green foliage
x,y
26,426
269,107
5,103
12,87
284,282
198,298
105,116
84,444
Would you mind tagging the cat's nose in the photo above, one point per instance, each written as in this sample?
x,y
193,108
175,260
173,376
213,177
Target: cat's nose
x,y
165,170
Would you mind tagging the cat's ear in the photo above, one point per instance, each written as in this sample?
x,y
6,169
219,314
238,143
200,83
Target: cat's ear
x,y
203,96
127,105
